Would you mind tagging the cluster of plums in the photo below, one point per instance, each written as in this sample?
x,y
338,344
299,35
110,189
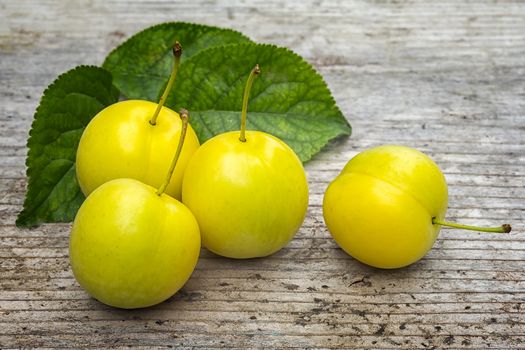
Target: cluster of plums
x,y
153,194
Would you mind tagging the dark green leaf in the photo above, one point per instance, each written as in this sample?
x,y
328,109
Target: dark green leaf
x,y
65,109
289,99
141,66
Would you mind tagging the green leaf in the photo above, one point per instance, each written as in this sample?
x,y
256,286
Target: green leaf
x,y
289,99
65,109
141,66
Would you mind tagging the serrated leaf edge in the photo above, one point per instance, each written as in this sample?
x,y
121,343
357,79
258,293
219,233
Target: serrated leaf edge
x,y
30,140
166,24
312,69
38,109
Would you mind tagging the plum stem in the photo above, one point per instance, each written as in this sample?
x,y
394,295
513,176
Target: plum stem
x,y
177,52
255,71
505,228
184,116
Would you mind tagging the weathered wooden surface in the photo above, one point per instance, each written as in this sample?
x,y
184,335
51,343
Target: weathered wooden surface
x,y
446,77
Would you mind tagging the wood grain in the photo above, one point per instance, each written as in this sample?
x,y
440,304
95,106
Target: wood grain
x,y
445,77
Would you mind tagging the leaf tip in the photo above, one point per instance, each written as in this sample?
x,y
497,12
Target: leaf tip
x,y
22,220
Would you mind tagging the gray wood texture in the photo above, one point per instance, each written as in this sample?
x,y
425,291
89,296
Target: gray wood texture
x,y
446,77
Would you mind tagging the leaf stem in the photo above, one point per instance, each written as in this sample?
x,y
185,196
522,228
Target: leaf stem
x,y
184,116
177,52
255,71
505,228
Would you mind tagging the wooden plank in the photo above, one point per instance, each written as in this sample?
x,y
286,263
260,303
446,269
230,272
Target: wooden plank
x,y
445,77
